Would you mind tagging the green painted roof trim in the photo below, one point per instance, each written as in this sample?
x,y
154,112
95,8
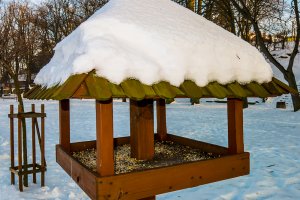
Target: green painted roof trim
x,y
101,89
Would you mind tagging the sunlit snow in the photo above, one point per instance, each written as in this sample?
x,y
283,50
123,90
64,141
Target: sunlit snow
x,y
151,41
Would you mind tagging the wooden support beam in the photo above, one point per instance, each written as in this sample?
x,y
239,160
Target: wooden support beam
x,y
235,126
105,138
64,124
43,163
20,153
33,145
161,119
12,146
142,129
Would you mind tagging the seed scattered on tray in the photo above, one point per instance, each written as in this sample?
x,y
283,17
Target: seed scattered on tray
x,y
166,153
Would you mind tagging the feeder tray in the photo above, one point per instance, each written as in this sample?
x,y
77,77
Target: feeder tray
x,y
150,182
166,154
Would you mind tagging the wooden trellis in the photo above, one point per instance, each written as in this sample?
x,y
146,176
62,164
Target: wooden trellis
x,y
23,168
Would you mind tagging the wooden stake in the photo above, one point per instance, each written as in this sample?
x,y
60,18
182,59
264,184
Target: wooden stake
x,y
39,137
142,129
64,124
33,145
105,138
43,147
235,126
12,146
24,140
20,163
161,119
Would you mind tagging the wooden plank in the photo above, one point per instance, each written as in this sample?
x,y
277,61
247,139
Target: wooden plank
x,y
133,89
235,126
33,144
12,145
218,90
82,92
98,87
64,124
164,90
121,141
63,159
69,87
27,115
207,147
161,119
237,89
215,149
105,138
139,185
81,146
142,129
43,163
20,163
157,181
82,176
285,87
191,89
258,90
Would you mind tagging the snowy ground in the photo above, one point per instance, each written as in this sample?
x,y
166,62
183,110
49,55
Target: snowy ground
x,y
271,136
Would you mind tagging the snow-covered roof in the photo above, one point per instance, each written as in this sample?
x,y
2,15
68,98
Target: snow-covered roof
x,y
154,41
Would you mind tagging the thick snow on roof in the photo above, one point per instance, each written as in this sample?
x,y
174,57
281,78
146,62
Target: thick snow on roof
x,y
154,41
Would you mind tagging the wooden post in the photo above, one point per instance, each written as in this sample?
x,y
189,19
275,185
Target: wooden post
x,y
20,163
105,138
24,140
33,145
161,119
142,129
64,124
235,126
43,167
12,145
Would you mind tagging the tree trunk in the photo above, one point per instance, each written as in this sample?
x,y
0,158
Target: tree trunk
x,y
290,78
24,137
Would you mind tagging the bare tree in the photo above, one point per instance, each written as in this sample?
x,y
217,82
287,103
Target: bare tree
x,y
288,73
16,52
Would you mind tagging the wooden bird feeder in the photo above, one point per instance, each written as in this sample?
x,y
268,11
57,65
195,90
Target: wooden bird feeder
x,y
104,183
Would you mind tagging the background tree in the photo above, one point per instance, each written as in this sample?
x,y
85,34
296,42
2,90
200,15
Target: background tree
x,y
17,52
252,15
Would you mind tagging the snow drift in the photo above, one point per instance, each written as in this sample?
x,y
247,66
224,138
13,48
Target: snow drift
x,y
154,41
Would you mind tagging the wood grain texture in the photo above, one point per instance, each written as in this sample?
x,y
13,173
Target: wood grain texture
x,y
161,119
235,126
105,138
82,176
20,152
64,124
142,129
147,183
33,144
43,162
12,145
